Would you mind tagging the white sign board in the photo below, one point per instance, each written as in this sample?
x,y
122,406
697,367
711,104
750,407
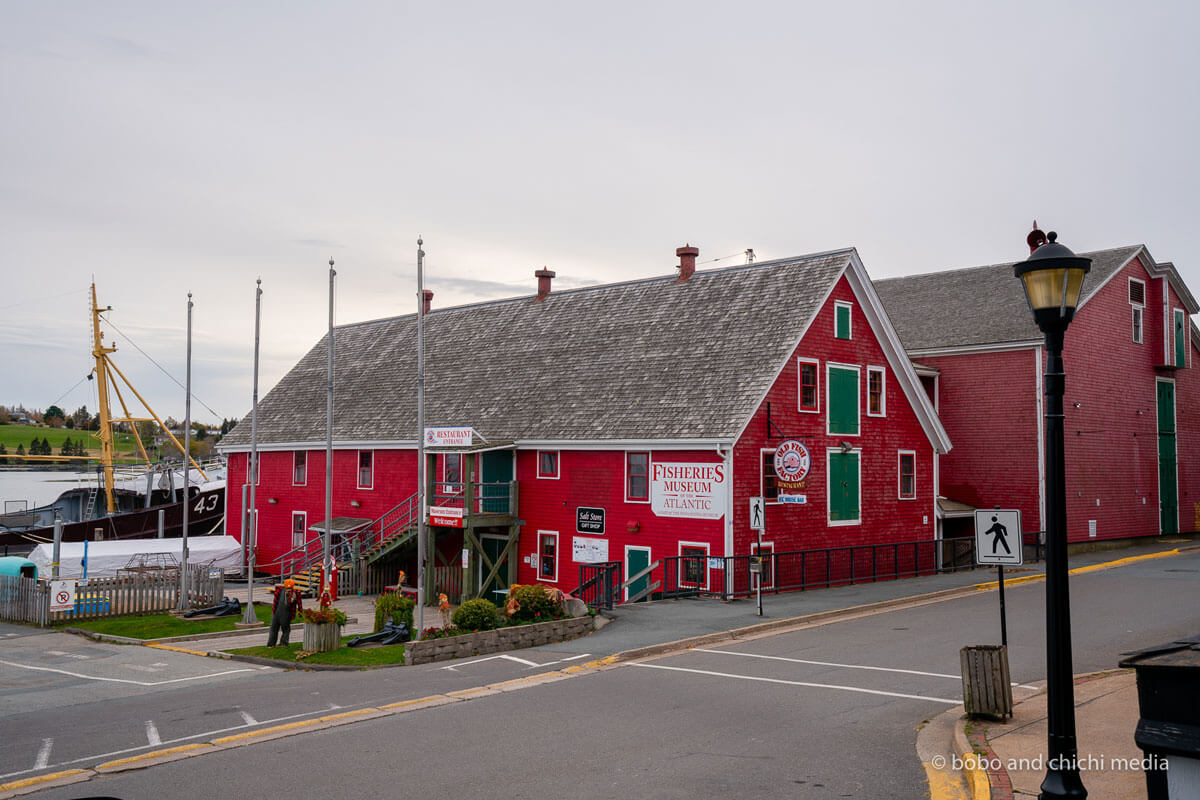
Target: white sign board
x,y
446,517
689,490
62,596
758,517
449,437
998,537
585,550
799,499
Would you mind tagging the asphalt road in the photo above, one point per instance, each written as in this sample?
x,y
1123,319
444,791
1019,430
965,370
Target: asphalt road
x,y
827,711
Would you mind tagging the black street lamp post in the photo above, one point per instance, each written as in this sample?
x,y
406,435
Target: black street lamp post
x,y
1053,277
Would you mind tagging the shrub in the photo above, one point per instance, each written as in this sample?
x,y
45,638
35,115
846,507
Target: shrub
x,y
318,616
534,603
479,614
396,606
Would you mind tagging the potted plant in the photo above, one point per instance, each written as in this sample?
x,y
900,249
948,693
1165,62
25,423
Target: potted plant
x,y
323,626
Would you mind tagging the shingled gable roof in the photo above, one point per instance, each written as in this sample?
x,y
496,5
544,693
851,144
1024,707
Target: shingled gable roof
x,y
647,360
981,306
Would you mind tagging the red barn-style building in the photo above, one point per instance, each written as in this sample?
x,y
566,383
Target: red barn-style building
x,y
1132,400
628,422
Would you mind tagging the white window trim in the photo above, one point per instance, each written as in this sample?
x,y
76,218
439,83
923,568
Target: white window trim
x,y
762,478
557,556
649,472
832,365
800,385
707,552
900,476
294,454
625,563
448,486
765,547
829,520
882,391
358,469
303,528
557,465
1137,320
1175,312
846,304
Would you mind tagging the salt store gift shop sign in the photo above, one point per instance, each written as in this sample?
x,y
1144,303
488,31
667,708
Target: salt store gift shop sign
x,y
688,490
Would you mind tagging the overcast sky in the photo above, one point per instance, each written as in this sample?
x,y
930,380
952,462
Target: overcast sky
x,y
166,147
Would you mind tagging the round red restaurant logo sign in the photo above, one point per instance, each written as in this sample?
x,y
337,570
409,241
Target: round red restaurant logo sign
x,y
791,461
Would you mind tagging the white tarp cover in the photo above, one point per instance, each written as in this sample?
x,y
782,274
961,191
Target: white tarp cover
x,y
105,558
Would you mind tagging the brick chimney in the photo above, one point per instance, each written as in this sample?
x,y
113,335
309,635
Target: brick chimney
x,y
426,300
687,260
543,275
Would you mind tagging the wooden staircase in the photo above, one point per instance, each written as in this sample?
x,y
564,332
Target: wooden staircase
x,y
394,530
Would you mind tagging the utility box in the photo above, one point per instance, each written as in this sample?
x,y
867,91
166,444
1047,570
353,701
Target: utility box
x,y
987,690
1168,731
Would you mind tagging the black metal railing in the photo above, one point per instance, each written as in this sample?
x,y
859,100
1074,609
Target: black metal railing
x,y
599,584
799,570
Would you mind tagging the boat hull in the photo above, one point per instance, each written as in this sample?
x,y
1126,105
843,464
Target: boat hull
x,y
206,516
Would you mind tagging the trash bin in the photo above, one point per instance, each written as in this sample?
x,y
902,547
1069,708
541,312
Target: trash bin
x,y
1168,730
987,690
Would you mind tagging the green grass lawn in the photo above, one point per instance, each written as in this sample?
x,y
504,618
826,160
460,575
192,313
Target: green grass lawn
x,y
367,656
13,435
160,626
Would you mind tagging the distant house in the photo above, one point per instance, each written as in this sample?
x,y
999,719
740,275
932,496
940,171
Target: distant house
x,y
626,423
1132,401
21,418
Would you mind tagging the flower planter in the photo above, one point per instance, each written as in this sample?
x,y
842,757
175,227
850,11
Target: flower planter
x,y
321,637
497,641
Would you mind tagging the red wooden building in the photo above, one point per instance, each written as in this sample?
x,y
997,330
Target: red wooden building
x,y
1132,398
630,422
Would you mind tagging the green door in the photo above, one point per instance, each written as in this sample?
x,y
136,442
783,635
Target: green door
x,y
844,479
493,546
1180,338
495,475
636,560
1168,498
843,401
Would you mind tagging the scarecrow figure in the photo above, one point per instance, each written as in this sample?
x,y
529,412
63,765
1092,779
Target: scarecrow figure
x,y
286,607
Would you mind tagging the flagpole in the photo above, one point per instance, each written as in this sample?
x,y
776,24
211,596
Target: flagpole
x,y
250,527
327,559
187,454
422,533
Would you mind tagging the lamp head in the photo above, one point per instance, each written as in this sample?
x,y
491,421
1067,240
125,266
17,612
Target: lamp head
x,y
1053,279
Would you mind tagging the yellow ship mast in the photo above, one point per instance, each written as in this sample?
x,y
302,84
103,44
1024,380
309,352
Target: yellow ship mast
x,y
106,436
107,444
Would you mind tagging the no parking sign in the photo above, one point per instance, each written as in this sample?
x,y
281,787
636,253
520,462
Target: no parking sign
x,y
62,596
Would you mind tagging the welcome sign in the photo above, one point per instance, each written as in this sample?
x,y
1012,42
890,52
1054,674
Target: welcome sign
x,y
688,490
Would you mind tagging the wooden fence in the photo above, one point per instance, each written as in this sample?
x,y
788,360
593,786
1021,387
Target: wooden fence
x,y
28,600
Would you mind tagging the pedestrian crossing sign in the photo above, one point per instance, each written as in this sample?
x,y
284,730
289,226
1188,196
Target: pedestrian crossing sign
x,y
998,537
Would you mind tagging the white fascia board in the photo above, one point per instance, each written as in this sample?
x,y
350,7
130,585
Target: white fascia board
x,y
787,359
975,349
889,342
368,444
523,444
623,444
1147,262
1167,270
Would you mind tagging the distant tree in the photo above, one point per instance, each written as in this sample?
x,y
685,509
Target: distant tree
x,y
55,417
3,454
199,431
80,417
171,424
68,448
227,425
20,449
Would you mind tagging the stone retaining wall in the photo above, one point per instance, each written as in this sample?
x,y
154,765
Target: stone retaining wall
x,y
497,641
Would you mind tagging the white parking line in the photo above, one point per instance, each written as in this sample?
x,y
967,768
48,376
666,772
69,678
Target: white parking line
x,y
249,720
152,734
844,666
802,683
123,680
454,667
43,756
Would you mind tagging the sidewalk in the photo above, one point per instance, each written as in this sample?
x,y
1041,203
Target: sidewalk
x,y
1014,752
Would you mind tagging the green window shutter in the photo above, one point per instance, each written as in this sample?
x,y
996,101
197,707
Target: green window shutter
x,y
844,479
1180,339
842,324
843,401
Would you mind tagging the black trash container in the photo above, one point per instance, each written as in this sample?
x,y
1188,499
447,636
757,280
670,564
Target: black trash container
x,y
1168,731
